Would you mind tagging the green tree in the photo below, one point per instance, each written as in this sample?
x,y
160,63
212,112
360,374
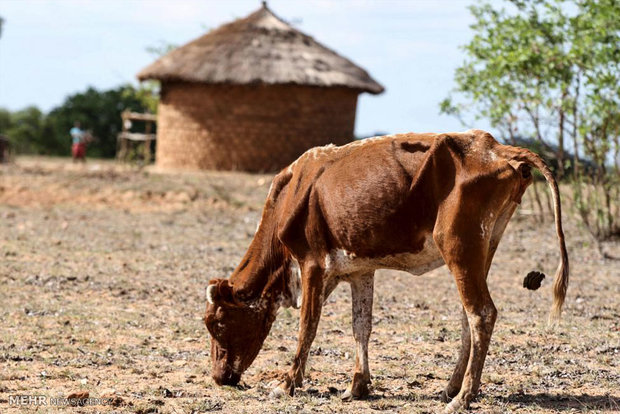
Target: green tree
x,y
5,121
161,49
25,128
149,90
550,69
32,132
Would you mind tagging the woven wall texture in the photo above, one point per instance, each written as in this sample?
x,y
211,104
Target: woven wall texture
x,y
249,127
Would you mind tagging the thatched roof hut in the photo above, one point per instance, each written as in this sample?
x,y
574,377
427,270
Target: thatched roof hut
x,y
253,94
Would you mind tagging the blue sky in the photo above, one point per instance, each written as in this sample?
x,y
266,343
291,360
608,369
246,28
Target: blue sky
x,y
52,48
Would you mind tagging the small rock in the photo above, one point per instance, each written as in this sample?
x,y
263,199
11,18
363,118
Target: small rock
x,y
113,400
77,398
277,393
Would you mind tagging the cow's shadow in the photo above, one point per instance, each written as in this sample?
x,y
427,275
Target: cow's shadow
x,y
556,402
564,402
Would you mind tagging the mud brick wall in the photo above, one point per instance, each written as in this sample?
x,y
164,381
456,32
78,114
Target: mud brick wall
x,y
249,127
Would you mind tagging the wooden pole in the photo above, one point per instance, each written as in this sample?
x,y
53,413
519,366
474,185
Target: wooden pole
x,y
147,143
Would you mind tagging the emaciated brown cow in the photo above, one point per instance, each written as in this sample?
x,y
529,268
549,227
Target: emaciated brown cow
x,y
409,202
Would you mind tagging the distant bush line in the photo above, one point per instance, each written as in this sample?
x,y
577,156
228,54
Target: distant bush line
x,y
30,131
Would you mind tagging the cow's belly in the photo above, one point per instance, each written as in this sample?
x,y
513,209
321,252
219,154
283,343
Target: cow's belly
x,y
341,262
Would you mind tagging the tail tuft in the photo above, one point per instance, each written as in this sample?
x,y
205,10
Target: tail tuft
x,y
560,286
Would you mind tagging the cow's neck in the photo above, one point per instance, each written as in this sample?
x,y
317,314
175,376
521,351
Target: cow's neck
x,y
264,273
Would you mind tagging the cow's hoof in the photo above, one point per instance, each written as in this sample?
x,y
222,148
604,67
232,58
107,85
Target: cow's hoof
x,y
455,406
447,395
285,388
347,395
355,392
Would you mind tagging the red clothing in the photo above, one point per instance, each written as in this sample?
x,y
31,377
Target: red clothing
x,y
78,150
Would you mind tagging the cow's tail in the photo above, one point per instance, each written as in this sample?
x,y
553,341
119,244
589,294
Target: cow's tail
x,y
560,285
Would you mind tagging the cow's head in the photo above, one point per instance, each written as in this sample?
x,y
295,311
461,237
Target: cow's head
x,y
237,330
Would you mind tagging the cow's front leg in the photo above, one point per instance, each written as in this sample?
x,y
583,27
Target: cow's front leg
x,y
362,287
311,304
454,386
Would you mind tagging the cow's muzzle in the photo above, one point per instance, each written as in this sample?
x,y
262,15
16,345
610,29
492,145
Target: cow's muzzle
x,y
226,378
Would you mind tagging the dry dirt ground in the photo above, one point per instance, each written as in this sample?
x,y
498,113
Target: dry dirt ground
x,y
102,278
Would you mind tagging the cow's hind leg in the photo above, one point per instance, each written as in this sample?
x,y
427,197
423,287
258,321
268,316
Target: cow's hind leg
x,y
456,380
466,256
362,286
481,319
311,305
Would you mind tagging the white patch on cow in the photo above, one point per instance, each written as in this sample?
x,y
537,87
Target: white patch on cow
x,y
339,262
293,299
487,311
361,294
209,294
314,153
236,365
484,228
362,142
489,226
338,259
317,152
260,220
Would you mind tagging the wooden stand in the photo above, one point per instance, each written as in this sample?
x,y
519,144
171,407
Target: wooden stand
x,y
126,140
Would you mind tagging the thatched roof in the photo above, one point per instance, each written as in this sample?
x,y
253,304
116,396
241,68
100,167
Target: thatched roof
x,y
259,49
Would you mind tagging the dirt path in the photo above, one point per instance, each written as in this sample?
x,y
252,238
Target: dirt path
x,y
102,290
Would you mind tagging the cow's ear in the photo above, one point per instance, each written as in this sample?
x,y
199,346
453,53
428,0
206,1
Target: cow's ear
x,y
220,292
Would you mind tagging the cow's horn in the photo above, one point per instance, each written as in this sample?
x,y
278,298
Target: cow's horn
x,y
210,293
